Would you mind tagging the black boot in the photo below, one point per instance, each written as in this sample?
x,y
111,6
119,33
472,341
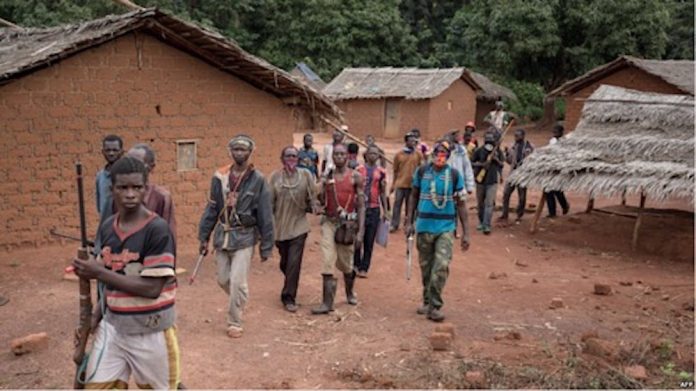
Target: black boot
x,y
349,279
328,293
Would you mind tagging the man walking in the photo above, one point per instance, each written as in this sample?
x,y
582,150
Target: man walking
x,y
342,227
437,187
112,150
239,214
375,178
514,157
486,187
292,192
554,195
405,163
498,117
137,263
459,160
157,198
327,163
308,157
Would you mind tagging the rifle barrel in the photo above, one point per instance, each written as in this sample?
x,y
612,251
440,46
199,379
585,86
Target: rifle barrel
x,y
81,203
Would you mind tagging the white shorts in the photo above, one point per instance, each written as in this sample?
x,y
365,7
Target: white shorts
x,y
152,358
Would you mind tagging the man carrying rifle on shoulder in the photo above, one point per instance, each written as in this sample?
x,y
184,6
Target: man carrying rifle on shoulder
x,y
488,164
437,187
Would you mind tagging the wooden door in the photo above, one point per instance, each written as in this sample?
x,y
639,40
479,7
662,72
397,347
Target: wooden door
x,y
392,118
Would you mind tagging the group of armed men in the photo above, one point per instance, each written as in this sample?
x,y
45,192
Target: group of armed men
x,y
134,255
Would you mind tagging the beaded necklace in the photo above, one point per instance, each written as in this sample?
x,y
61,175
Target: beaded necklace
x,y
433,190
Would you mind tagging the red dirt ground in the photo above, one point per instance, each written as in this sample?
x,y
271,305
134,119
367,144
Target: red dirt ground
x,y
382,343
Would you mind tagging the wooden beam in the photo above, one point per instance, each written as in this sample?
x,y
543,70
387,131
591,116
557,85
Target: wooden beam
x,y
129,4
354,138
623,198
9,24
639,220
590,205
537,214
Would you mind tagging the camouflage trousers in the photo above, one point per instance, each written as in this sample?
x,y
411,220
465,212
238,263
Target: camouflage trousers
x,y
434,256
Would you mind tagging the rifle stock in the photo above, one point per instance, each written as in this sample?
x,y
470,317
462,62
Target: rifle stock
x,y
85,318
482,174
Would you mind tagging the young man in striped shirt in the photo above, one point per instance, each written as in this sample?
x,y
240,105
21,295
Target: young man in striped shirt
x,y
135,268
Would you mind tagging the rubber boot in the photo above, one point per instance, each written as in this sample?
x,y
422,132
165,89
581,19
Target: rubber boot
x,y
349,279
328,293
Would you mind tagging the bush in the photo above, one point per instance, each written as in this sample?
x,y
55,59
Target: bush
x,y
529,105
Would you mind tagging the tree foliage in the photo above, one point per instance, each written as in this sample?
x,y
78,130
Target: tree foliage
x,y
538,43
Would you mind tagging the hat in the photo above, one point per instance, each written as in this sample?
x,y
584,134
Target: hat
x,y
242,139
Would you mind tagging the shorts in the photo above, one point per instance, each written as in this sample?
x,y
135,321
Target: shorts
x,y
334,254
152,359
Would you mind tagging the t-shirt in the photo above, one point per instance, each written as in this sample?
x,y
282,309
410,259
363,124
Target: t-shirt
x,y
308,159
439,215
405,163
491,177
291,196
146,251
373,177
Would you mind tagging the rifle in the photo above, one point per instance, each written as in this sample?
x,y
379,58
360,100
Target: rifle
x,y
85,320
482,174
409,256
55,232
195,269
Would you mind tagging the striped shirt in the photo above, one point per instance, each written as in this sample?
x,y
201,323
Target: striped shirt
x,y
146,251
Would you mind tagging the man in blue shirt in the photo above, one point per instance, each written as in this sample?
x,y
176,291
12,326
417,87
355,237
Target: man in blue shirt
x,y
112,149
436,188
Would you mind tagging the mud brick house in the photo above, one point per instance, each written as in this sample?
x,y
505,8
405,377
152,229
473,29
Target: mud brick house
x,y
388,102
148,77
661,76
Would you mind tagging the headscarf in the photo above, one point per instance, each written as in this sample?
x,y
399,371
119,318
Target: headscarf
x,y
440,158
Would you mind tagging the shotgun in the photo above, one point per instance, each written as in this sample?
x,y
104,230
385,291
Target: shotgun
x,y
85,320
55,233
482,174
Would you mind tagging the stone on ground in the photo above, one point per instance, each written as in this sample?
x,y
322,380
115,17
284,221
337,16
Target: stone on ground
x,y
29,343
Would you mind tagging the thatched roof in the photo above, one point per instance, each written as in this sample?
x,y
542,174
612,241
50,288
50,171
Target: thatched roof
x,y
307,75
490,90
408,83
25,50
679,73
626,140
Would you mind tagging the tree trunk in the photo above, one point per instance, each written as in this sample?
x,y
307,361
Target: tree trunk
x,y
549,117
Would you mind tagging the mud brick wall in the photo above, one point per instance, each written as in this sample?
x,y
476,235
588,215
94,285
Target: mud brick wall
x,y
629,77
443,117
144,90
433,117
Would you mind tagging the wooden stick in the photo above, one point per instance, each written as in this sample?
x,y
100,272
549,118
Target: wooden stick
x,y
9,24
623,198
128,4
636,228
590,205
354,138
537,214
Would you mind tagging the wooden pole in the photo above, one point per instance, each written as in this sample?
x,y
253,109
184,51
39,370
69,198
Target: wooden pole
x,y
128,4
9,24
537,214
354,138
590,205
623,198
639,219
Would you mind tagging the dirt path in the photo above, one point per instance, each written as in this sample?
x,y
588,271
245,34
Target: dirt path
x,y
382,342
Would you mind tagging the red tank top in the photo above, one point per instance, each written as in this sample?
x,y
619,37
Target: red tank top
x,y
345,190
372,192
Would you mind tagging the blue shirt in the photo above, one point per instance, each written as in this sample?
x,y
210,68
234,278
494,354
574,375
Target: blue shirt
x,y
439,216
103,196
308,158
